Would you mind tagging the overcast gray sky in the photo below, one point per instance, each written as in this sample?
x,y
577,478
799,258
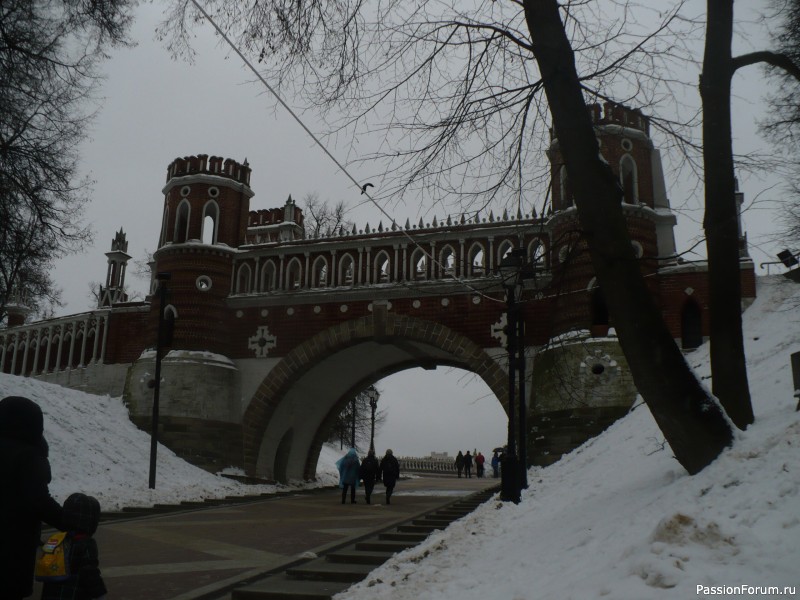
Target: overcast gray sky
x,y
157,109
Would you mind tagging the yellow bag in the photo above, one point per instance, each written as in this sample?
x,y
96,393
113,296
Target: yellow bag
x,y
52,563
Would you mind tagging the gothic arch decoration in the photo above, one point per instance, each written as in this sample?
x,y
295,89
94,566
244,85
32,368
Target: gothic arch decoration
x,y
262,432
294,272
476,260
319,272
691,325
181,232
269,278
418,270
628,179
504,248
210,222
243,279
537,255
447,261
164,221
347,270
382,268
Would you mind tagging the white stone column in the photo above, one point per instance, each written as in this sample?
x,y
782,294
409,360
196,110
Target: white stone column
x,y
83,342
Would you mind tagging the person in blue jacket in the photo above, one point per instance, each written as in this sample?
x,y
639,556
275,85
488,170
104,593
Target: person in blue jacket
x,y
348,467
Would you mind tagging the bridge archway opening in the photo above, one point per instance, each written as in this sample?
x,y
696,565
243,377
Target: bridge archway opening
x,y
307,390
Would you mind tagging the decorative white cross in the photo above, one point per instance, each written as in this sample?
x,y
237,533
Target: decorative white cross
x,y
498,330
262,342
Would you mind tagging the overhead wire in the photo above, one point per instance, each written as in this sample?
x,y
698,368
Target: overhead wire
x,y
361,187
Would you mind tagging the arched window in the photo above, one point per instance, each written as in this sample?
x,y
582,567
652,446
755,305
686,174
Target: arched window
x,y
447,260
347,270
170,314
382,271
477,261
210,220
319,272
293,272
537,255
506,247
181,233
243,280
269,281
419,265
628,180
691,325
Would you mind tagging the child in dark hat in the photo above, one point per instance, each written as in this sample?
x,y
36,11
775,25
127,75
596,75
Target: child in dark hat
x,y
25,500
81,517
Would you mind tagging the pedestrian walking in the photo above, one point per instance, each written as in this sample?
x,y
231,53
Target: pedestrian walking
x,y
480,459
389,473
459,463
495,465
348,467
25,500
369,473
81,517
468,465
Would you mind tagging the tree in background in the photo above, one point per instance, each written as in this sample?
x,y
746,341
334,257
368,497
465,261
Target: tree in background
x,y
49,54
460,93
342,430
322,218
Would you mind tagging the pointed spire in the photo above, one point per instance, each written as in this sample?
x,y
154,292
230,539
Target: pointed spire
x,y
519,214
463,219
449,220
505,215
394,226
366,229
435,223
421,223
491,216
380,226
408,224
355,231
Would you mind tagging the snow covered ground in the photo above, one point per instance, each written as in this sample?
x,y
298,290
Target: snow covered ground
x,y
618,518
95,449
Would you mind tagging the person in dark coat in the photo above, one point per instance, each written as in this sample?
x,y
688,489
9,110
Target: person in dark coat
x,y
389,473
348,467
468,465
81,517
495,464
460,463
369,473
25,500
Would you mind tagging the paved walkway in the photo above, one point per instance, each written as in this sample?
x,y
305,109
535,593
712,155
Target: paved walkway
x,y
195,553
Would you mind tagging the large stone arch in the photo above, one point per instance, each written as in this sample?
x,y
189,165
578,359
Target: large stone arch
x,y
304,392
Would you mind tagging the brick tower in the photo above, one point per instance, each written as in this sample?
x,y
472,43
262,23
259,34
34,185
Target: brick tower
x,y
205,220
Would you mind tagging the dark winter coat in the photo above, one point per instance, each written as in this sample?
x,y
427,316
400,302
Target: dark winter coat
x,y
81,516
25,500
459,461
369,469
468,460
390,470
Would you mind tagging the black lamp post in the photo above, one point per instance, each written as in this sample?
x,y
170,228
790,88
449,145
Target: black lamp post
x,y
373,396
353,424
509,268
162,278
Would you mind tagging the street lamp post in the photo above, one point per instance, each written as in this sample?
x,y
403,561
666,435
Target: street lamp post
x,y
353,424
373,396
162,278
509,474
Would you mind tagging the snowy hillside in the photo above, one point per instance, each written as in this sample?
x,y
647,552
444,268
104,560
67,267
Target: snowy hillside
x,y
620,519
95,449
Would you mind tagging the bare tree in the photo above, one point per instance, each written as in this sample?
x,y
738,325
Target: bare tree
x,y
460,93
359,412
320,217
49,52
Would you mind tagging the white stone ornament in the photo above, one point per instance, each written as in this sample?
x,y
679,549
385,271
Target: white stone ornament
x,y
498,330
262,342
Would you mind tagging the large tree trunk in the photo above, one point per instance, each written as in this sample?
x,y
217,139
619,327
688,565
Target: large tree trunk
x,y
691,421
721,223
